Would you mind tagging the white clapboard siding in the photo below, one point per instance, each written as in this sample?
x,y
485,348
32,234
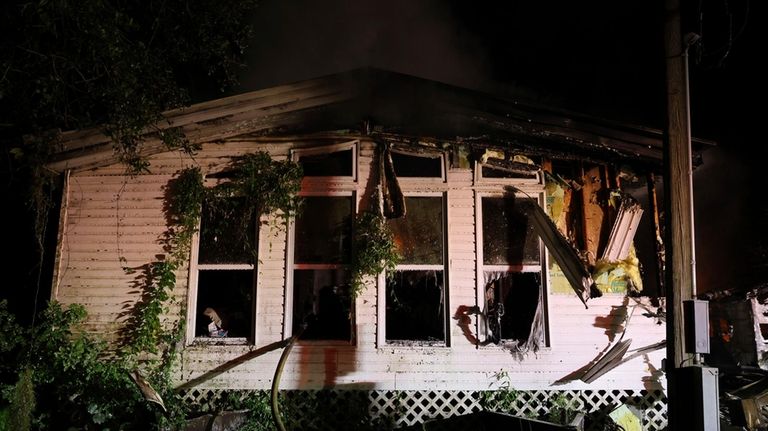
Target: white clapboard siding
x,y
113,222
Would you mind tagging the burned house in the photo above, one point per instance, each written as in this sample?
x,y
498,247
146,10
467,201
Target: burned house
x,y
521,258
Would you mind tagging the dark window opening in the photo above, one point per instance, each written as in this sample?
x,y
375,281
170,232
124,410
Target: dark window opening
x,y
489,172
323,230
407,165
221,240
415,297
415,306
510,304
335,164
224,303
322,303
321,299
508,236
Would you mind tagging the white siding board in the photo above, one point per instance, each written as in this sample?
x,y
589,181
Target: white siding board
x,y
112,215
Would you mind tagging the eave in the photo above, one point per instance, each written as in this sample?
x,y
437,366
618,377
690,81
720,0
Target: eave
x,y
398,106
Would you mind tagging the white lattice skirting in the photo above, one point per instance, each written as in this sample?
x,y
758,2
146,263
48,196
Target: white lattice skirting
x,y
346,409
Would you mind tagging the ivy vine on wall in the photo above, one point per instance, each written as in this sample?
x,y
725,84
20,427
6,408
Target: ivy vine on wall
x,y
374,251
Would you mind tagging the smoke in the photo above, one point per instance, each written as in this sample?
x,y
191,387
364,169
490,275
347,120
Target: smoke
x,y
303,39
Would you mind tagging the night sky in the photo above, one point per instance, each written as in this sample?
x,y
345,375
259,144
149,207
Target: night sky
x,y
605,58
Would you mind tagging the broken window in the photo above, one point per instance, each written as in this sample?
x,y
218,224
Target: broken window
x,y
321,303
418,166
489,172
222,305
416,291
498,168
338,161
511,261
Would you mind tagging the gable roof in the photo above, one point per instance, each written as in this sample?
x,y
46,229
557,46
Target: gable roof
x,y
397,106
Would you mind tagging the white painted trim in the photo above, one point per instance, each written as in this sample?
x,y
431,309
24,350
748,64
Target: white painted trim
x,y
192,289
288,288
481,268
480,179
290,266
192,286
511,268
424,180
224,266
381,297
381,310
420,267
479,281
296,153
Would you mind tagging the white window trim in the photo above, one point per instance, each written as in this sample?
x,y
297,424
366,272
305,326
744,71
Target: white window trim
x,y
381,281
481,268
424,180
319,182
290,266
480,179
192,289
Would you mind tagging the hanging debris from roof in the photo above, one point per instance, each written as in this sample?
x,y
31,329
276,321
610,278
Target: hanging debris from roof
x,y
392,195
513,164
566,256
624,228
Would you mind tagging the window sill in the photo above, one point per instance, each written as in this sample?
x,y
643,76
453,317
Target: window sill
x,y
222,341
413,344
323,343
508,345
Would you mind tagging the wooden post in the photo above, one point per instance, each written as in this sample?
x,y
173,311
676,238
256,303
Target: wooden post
x,y
678,184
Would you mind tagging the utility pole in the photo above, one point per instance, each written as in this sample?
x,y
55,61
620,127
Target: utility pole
x,y
680,254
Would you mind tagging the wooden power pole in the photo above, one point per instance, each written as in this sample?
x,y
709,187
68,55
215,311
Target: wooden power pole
x,y
678,185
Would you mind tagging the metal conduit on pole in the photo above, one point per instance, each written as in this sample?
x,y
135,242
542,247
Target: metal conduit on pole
x,y
679,237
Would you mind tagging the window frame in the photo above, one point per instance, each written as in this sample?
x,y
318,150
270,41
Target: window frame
x,y
480,179
381,314
424,180
193,287
320,186
290,267
317,182
529,192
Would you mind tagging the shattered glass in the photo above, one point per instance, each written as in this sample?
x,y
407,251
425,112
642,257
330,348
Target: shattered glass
x,y
508,235
419,235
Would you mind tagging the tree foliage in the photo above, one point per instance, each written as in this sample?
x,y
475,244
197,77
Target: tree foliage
x,y
115,65
70,65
